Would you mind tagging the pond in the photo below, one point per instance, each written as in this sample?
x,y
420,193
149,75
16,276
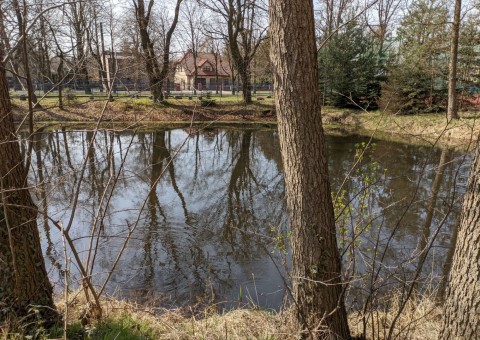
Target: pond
x,y
205,215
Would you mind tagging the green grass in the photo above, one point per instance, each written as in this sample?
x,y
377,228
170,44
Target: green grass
x,y
144,102
125,328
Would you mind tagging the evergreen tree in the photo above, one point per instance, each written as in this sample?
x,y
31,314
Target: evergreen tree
x,y
469,60
417,74
350,68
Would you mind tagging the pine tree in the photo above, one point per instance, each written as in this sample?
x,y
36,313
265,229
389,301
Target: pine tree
x,y
349,69
417,74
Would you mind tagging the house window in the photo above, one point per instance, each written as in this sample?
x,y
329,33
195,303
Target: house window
x,y
207,68
180,68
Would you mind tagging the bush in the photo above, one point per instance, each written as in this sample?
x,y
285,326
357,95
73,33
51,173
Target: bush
x,y
207,102
410,90
70,96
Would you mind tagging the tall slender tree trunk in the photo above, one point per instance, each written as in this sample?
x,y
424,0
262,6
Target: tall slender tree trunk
x,y
105,67
316,265
23,277
60,74
216,72
23,52
195,71
462,307
452,70
82,69
233,79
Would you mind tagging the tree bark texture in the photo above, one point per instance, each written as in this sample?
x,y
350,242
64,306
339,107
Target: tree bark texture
x,y
23,276
244,71
316,265
452,69
462,307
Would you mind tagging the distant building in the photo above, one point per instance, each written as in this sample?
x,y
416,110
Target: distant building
x,y
125,70
210,67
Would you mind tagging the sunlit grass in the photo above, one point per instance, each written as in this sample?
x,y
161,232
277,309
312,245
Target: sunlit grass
x,y
420,319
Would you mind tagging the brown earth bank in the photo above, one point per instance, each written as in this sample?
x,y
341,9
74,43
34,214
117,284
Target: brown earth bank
x,y
426,129
142,111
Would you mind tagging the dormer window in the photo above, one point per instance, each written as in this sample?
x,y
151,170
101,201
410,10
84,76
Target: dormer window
x,y
206,68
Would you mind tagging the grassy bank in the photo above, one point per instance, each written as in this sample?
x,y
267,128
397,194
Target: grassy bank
x,y
122,320
143,110
426,129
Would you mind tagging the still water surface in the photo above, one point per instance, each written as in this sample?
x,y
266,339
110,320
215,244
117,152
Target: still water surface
x,y
208,211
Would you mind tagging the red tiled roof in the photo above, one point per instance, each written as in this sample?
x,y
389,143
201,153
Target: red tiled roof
x,y
187,62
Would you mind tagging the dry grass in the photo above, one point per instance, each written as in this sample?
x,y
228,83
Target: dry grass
x,y
143,110
427,129
132,321
235,324
421,319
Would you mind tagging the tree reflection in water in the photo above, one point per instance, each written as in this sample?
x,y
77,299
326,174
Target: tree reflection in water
x,y
213,211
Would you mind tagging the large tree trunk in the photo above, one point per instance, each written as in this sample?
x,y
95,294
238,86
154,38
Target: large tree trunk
x,y
452,71
23,278
316,265
244,72
462,308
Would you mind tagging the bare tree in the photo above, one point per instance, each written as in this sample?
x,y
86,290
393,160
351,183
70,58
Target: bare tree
x,y
156,75
316,265
245,31
21,15
78,15
193,19
214,46
384,12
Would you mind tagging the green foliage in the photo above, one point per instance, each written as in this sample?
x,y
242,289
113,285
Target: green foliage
x,y
349,68
417,74
469,56
280,239
207,102
124,327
